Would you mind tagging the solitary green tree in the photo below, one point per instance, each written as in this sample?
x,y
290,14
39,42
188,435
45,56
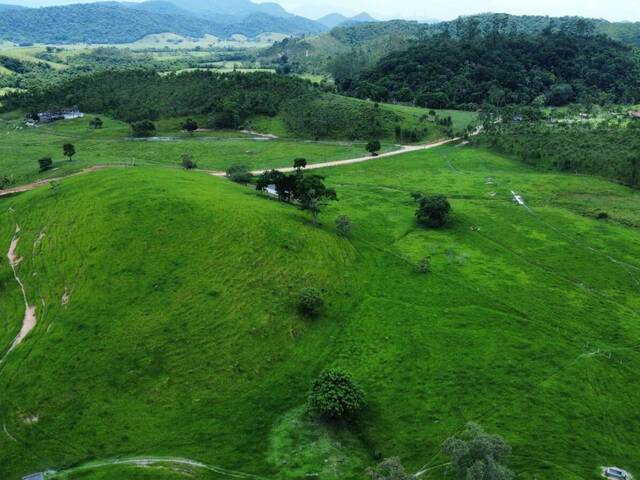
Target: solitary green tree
x,y
69,150
334,395
45,164
190,126
373,147
433,211
312,194
187,162
477,455
310,302
96,123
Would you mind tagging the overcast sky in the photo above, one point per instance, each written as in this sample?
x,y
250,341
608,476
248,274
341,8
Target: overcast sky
x,y
441,9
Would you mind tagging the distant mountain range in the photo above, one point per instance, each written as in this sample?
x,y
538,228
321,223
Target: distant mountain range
x,y
123,22
334,20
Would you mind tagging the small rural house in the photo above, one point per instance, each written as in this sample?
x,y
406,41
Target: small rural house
x,y
64,114
635,115
34,476
616,473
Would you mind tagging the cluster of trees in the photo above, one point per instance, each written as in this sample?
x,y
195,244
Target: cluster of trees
x,y
475,455
472,69
610,151
306,190
46,163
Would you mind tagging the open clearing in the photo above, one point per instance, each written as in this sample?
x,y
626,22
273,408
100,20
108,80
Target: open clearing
x,y
170,359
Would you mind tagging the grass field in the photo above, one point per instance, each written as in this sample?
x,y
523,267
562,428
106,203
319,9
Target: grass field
x,y
180,337
21,147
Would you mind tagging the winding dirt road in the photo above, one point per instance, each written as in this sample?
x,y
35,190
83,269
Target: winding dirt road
x,y
216,173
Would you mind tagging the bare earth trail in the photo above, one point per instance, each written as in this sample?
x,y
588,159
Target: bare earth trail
x,y
30,320
337,163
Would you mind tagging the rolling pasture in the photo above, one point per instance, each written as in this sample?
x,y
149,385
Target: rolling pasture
x,y
167,322
20,147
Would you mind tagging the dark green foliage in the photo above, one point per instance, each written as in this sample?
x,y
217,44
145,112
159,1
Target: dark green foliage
x,y
424,265
503,69
477,455
608,151
69,150
190,126
373,147
13,64
187,162
312,194
122,23
344,225
310,302
334,395
6,181
45,164
239,174
389,469
143,128
96,123
433,211
300,163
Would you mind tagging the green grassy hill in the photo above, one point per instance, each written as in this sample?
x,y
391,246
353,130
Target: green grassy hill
x,y
180,336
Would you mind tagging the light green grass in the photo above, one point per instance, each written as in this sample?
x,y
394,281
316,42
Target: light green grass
x,y
21,147
181,336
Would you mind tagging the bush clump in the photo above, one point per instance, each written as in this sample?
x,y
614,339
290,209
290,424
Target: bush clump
x,y
344,225
433,211
334,395
239,174
310,302
45,164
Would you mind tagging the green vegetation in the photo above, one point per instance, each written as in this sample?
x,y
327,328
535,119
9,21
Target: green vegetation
x,y
433,211
477,455
608,148
528,321
335,396
310,302
502,69
21,147
228,101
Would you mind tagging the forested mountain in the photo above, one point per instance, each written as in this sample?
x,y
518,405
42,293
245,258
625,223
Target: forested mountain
x,y
334,20
120,23
372,41
553,68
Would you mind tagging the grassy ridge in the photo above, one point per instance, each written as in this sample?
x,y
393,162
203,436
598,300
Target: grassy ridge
x,y
528,322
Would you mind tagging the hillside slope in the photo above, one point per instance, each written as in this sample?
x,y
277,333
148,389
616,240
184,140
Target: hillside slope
x,y
167,326
166,319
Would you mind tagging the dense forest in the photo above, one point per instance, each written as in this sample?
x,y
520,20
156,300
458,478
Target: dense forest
x,y
605,149
228,100
118,23
552,68
373,41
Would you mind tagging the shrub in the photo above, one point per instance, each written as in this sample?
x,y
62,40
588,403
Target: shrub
x,y
6,181
373,147
45,164
144,128
433,211
239,174
187,162
96,123
344,225
335,395
389,469
310,302
424,265
190,126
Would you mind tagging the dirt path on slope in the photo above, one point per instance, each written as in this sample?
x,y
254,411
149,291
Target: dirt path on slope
x,y
216,173
29,322
338,163
32,186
